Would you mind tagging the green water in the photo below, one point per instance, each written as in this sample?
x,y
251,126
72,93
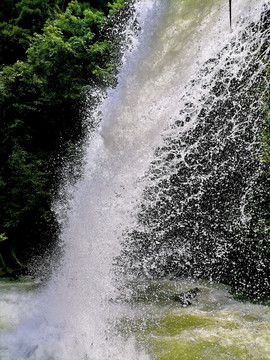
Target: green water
x,y
201,335
214,326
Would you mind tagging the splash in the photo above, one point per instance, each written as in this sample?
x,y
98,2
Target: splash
x,y
76,315
204,195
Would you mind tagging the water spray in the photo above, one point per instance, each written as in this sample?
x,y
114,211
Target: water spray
x,y
230,10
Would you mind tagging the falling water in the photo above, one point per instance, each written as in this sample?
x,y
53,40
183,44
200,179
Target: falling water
x,y
169,87
205,180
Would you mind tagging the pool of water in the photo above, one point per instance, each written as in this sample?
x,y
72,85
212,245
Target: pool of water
x,y
164,320
214,326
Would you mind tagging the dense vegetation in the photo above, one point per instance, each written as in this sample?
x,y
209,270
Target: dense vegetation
x,y
51,53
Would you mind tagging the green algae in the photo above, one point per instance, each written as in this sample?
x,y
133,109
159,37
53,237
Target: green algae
x,y
173,324
213,348
200,336
215,327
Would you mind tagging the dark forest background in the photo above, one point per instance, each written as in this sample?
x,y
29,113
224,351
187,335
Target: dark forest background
x,y
52,53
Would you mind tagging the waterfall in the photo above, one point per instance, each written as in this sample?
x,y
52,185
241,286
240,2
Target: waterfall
x,y
203,202
169,143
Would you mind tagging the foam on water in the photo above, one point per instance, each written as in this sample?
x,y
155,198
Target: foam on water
x,y
215,326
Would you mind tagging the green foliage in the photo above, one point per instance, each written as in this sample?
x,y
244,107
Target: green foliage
x,y
26,187
18,22
34,13
7,10
67,54
116,5
3,237
14,42
52,53
95,4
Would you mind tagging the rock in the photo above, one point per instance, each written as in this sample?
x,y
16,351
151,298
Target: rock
x,y
186,298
